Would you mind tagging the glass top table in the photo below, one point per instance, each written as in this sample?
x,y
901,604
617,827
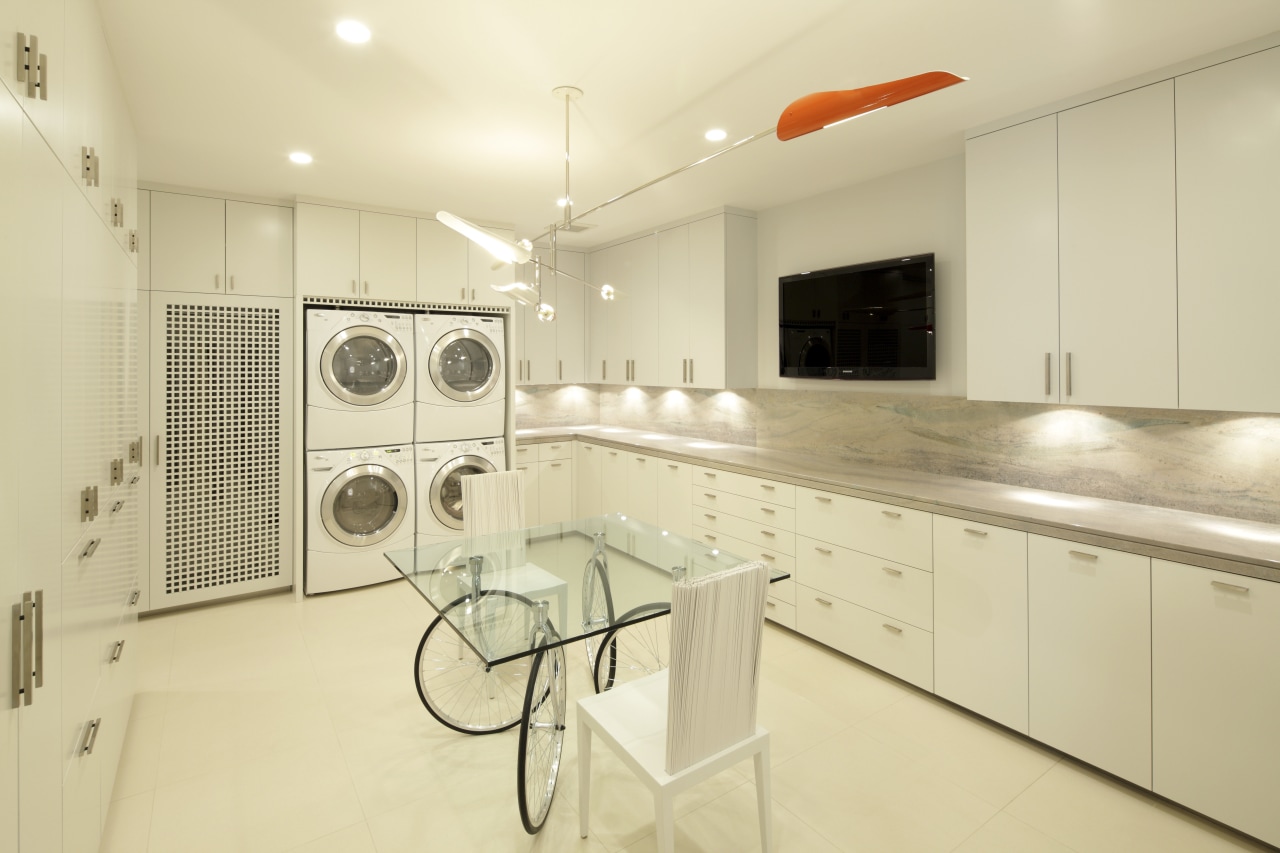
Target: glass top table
x,y
508,603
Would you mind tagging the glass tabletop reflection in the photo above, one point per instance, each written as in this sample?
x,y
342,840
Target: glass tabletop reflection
x,y
501,592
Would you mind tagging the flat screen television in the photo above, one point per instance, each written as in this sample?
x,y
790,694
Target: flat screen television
x,y
864,321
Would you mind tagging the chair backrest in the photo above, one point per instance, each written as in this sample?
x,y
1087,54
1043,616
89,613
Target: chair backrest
x,y
717,626
492,503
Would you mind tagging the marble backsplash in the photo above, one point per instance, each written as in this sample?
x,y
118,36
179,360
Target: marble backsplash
x,y
1220,463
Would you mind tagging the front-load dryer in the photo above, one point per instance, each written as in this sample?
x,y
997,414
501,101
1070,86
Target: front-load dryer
x,y
440,469
360,504
461,390
360,386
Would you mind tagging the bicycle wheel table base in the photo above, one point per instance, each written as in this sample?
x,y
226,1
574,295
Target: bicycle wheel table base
x,y
541,737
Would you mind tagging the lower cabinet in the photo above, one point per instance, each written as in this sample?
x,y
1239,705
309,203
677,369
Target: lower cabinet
x,y
1089,616
548,482
1216,694
892,645
588,460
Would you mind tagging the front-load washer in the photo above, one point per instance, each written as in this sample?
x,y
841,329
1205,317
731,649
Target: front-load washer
x,y
360,386
440,469
360,504
461,390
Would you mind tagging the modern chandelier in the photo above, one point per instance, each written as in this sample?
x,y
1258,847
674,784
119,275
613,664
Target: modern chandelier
x,y
805,115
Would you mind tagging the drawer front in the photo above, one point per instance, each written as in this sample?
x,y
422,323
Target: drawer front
x,y
555,450
897,648
783,590
760,535
894,589
783,494
883,530
526,453
769,556
781,612
774,515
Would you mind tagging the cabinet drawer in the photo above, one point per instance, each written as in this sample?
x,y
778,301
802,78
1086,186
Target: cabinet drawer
x,y
783,590
760,535
526,453
769,556
774,515
893,589
554,450
781,612
745,485
884,530
897,648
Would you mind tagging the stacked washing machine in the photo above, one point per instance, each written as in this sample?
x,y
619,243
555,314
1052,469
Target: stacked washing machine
x,y
399,407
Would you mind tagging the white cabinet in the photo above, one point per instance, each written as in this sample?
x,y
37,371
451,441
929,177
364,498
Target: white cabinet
x,y
1011,221
144,240
1216,694
622,341
355,254
553,353
1089,654
706,303
210,245
442,263
980,618
484,271
1117,251
1228,187
882,530
674,504
532,506
613,480
588,461
44,22
548,481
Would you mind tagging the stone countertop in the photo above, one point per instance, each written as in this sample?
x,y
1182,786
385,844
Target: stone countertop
x,y
1243,547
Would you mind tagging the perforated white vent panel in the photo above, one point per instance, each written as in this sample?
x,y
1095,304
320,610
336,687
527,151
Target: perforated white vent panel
x,y
222,508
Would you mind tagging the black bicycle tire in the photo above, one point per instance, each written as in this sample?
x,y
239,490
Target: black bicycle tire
x,y
553,653
607,643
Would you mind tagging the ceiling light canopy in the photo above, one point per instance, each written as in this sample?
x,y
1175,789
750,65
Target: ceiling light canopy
x,y
353,31
302,158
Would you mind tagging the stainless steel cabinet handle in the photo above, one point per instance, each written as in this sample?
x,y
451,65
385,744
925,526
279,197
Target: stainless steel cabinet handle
x,y
462,294
23,650
1068,374
822,499
708,474
768,487
1082,555
706,515
1230,587
37,612
708,495
231,282
767,556
588,448
690,371
641,459
555,464
473,294
894,628
366,288
708,537
768,533
1046,374
133,599
769,604
217,281
159,458
975,532
91,736
528,369
768,511
674,467
822,550
823,602
684,370
90,548
520,370
891,514
604,368
891,571
560,370
119,650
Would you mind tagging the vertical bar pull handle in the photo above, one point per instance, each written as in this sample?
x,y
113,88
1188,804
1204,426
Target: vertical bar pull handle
x,y
690,371
1068,374
119,650
37,628
560,370
28,647
231,282
366,288
462,294
217,281
158,451
91,736
604,368
684,370
354,288
1047,362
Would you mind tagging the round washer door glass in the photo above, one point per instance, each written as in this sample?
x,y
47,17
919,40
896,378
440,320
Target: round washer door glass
x,y
464,365
446,488
363,365
364,505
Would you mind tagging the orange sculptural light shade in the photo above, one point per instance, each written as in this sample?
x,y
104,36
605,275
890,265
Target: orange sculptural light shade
x,y
822,109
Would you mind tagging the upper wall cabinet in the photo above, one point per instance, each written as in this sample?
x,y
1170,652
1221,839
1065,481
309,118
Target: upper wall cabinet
x,y
41,94
553,353
1228,218
208,245
355,254
453,270
622,338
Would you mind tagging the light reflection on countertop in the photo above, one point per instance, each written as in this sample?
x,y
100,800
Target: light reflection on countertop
x,y
1177,535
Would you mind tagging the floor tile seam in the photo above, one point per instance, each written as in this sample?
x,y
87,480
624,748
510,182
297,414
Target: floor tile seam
x,y
150,820
363,823
124,750
775,805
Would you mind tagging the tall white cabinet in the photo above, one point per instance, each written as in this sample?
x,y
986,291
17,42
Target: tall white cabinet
x,y
553,353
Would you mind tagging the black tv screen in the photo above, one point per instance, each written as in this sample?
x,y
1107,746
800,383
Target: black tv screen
x,y
864,321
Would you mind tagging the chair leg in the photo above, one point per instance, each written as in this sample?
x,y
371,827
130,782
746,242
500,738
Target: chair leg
x,y
664,809
764,798
584,774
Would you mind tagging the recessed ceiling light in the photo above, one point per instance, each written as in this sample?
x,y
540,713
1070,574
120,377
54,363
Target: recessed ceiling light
x,y
353,31
715,135
302,158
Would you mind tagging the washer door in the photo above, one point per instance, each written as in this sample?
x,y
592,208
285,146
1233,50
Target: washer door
x,y
446,488
363,365
464,365
364,505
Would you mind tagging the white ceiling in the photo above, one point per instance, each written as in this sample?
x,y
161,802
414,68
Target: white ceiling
x,y
449,106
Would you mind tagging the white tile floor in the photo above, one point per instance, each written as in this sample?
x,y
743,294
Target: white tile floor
x,y
269,725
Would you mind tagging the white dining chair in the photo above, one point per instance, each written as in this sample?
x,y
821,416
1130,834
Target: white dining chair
x,y
696,719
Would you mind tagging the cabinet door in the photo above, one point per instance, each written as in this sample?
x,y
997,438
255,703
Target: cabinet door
x,y
555,490
532,506
675,307
328,250
637,313
675,502
259,249
483,270
980,618
1215,686
642,487
11,248
1011,221
571,320
537,338
188,243
144,239
388,256
442,263
613,481
1118,277
1089,613
705,304
1228,214
600,267
45,21
587,467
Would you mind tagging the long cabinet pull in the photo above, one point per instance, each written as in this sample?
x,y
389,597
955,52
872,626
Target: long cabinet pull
x,y
690,371
822,550
1047,362
767,556
684,370
158,449
674,467
217,281
119,650
823,602
91,736
768,511
23,652
894,628
231,282
822,499
769,604
37,628
768,533
560,369
366,288
706,515
1083,555
604,368
708,537
890,513
975,532
708,495
1068,374
1230,587
891,571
